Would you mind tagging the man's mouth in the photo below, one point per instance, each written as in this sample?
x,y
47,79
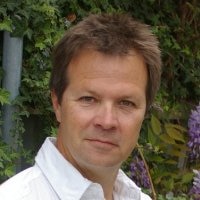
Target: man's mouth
x,y
99,143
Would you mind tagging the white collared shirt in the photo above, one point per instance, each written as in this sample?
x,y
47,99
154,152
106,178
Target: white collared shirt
x,y
54,178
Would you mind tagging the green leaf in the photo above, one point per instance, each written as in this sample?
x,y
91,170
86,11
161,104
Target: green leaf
x,y
176,126
4,96
1,165
156,125
157,158
29,33
182,147
177,153
165,138
6,25
21,26
3,11
187,178
172,162
174,133
9,171
151,136
169,184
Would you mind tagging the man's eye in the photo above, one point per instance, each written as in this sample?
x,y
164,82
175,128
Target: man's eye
x,y
87,99
126,103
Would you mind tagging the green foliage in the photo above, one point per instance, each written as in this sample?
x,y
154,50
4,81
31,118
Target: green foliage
x,y
7,154
165,149
7,157
170,196
164,134
176,23
4,96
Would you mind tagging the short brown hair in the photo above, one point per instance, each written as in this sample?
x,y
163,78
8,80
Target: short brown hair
x,y
112,34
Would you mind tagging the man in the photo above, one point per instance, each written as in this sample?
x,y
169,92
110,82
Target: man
x,y
106,71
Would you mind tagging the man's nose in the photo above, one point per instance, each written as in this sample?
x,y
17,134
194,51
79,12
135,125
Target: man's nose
x,y
106,117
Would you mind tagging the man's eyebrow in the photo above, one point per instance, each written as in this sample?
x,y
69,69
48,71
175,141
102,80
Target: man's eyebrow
x,y
92,92
120,97
131,97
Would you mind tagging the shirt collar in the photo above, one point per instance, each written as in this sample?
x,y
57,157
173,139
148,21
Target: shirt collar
x,y
67,181
125,188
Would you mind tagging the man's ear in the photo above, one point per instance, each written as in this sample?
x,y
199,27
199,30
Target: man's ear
x,y
56,106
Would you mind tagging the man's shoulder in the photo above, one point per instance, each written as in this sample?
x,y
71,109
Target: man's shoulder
x,y
145,196
129,188
17,187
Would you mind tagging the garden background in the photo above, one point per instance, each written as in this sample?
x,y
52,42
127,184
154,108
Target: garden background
x,y
169,146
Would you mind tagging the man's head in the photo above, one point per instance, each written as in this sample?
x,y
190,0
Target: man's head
x,y
105,75
114,35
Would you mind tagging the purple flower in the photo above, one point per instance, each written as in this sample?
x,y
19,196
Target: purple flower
x,y
139,174
195,190
194,134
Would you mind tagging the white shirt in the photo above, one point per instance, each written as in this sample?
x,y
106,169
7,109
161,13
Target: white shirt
x,y
54,178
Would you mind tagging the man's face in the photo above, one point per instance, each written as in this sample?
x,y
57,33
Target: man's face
x,y
102,109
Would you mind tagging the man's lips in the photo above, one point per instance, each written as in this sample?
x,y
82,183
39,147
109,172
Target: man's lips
x,y
103,142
